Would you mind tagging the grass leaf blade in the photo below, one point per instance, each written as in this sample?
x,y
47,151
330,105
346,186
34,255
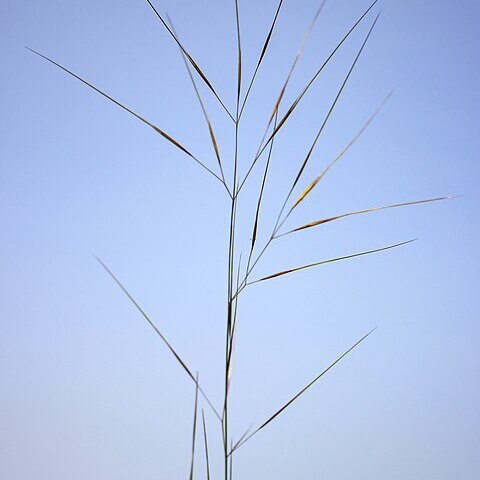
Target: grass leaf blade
x,y
202,105
205,442
262,55
190,59
295,61
279,223
260,198
194,430
302,391
315,76
332,107
313,184
239,58
131,112
331,260
158,332
293,106
368,210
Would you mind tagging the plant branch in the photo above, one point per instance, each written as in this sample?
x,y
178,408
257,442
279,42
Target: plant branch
x,y
131,112
204,111
191,60
300,96
160,334
300,393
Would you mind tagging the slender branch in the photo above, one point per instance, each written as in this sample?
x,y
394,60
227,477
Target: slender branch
x,y
160,334
300,393
301,95
204,111
239,62
194,431
317,179
330,260
257,212
360,212
191,60
322,127
205,441
292,68
131,112
234,323
262,55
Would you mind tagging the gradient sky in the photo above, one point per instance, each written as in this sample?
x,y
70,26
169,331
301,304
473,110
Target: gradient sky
x,y
88,390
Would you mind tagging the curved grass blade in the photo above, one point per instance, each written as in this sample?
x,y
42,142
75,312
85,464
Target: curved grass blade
x,y
202,106
309,84
159,333
331,260
262,55
359,212
275,116
324,123
205,442
240,440
231,340
302,391
340,155
194,431
279,223
292,68
290,73
191,60
131,112
300,96
239,59
274,113
259,202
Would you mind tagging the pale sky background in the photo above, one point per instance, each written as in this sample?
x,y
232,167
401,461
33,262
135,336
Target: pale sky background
x,y
88,390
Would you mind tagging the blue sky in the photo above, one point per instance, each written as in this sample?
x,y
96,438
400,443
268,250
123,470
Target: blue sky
x,y
87,388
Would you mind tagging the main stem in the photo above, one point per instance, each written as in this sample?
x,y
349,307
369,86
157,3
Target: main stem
x,y
229,330
231,267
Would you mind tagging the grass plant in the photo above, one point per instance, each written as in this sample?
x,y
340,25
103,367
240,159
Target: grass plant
x,y
241,269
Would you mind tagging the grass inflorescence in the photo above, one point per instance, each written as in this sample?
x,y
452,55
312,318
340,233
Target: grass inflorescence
x,y
241,268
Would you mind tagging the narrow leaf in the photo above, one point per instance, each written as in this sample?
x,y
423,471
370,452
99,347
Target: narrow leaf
x,y
309,84
331,260
131,112
239,58
280,222
290,110
240,440
340,155
262,55
190,59
332,107
294,64
158,332
205,441
260,198
368,210
275,116
215,147
231,343
194,430
274,113
202,105
302,391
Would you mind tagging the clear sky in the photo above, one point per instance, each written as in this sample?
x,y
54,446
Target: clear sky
x,y
89,391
